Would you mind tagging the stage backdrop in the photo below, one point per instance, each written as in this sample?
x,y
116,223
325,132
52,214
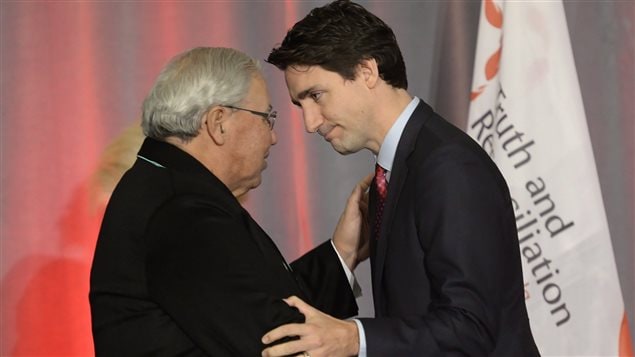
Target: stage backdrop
x,y
72,78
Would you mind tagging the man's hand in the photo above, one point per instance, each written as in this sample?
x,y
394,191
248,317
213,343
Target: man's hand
x,y
320,335
351,236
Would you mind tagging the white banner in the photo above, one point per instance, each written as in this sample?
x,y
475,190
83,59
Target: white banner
x,y
526,111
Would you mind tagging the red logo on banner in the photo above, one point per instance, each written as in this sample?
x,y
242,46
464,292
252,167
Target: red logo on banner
x,y
494,16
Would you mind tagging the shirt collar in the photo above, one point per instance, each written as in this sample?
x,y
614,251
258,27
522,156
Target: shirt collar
x,y
388,148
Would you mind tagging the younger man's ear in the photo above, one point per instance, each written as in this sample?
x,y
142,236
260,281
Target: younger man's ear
x,y
213,124
369,72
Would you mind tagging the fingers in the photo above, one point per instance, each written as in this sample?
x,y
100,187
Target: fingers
x,y
283,331
299,304
294,301
286,349
289,329
364,184
360,192
304,343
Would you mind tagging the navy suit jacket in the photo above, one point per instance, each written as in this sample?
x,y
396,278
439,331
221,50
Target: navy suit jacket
x,y
182,269
446,268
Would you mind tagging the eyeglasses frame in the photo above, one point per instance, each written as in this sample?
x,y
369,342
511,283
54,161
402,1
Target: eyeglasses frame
x,y
269,117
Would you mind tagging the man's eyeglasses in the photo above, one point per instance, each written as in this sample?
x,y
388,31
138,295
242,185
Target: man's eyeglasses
x,y
269,117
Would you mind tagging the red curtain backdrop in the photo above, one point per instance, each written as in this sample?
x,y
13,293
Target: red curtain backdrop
x,y
73,75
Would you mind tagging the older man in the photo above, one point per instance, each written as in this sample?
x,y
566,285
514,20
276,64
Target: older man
x,y
180,267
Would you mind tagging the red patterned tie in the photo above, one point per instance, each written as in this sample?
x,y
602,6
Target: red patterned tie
x,y
382,191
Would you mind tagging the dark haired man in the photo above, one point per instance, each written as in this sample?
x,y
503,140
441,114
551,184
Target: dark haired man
x,y
445,261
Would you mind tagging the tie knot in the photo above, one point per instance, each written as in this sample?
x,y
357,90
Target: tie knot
x,y
380,181
380,172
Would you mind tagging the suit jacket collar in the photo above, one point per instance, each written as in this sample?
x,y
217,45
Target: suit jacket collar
x,y
171,157
406,146
180,162
388,149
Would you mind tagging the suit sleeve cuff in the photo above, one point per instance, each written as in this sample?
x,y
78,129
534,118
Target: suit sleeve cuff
x,y
352,281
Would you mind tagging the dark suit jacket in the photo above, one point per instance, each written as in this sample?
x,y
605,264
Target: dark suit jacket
x,y
446,269
182,269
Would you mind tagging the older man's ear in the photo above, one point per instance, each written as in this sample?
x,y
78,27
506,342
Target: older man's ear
x,y
213,124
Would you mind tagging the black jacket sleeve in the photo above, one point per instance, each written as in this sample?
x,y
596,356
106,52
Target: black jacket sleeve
x,y
323,275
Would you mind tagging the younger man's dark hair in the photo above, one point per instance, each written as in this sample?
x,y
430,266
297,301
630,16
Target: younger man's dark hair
x,y
337,37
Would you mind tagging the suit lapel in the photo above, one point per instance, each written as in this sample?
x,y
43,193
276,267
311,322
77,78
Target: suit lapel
x,y
273,255
264,242
398,176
